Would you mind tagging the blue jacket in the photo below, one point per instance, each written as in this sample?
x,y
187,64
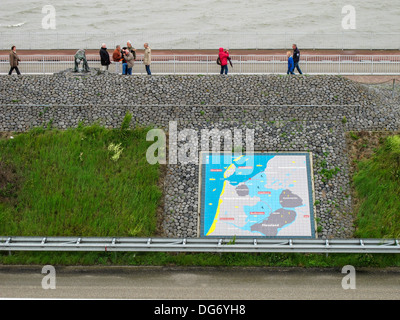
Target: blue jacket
x,y
290,64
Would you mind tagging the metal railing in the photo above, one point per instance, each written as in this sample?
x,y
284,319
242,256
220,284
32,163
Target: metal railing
x,y
206,64
79,244
51,39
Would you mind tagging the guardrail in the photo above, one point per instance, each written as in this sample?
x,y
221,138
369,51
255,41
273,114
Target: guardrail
x,y
79,244
195,40
206,64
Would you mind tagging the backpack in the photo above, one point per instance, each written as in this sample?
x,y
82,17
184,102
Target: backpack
x,y
218,61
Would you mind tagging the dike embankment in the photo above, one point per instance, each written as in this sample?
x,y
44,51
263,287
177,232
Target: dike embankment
x,y
300,113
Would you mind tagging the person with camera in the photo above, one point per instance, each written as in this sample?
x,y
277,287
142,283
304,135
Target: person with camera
x,y
123,60
128,56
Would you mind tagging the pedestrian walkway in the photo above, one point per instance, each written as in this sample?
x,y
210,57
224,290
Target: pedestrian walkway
x,y
206,64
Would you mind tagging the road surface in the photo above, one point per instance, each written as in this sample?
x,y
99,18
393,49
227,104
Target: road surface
x,y
198,283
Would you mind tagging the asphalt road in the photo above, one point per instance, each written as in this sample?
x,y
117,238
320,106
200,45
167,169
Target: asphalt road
x,y
198,283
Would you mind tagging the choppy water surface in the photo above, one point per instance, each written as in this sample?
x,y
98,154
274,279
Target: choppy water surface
x,y
202,17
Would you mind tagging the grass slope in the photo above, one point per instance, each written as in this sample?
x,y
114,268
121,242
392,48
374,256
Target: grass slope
x,y
67,184
377,183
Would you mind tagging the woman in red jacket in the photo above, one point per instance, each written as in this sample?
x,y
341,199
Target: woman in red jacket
x,y
223,57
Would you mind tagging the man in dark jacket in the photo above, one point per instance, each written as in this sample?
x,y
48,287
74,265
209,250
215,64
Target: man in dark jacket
x,y
14,61
104,57
296,58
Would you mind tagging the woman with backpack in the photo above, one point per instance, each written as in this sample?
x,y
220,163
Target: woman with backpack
x,y
223,58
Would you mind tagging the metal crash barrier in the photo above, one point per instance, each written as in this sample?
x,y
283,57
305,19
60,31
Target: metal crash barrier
x,y
199,245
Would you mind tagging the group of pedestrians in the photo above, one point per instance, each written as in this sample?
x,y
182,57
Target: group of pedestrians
x,y
293,60
126,56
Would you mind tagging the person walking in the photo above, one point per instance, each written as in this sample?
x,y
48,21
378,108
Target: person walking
x,y
14,61
223,57
296,58
104,57
129,61
290,63
147,58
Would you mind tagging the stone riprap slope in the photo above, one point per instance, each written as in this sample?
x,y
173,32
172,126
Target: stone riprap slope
x,y
300,113
180,90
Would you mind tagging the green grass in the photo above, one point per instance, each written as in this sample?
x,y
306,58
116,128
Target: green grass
x,y
68,184
377,183
201,259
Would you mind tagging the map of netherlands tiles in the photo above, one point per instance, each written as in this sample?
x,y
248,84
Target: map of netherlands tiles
x,y
266,195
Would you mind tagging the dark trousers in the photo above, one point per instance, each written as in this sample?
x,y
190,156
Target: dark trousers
x,y
224,69
296,66
16,69
148,70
